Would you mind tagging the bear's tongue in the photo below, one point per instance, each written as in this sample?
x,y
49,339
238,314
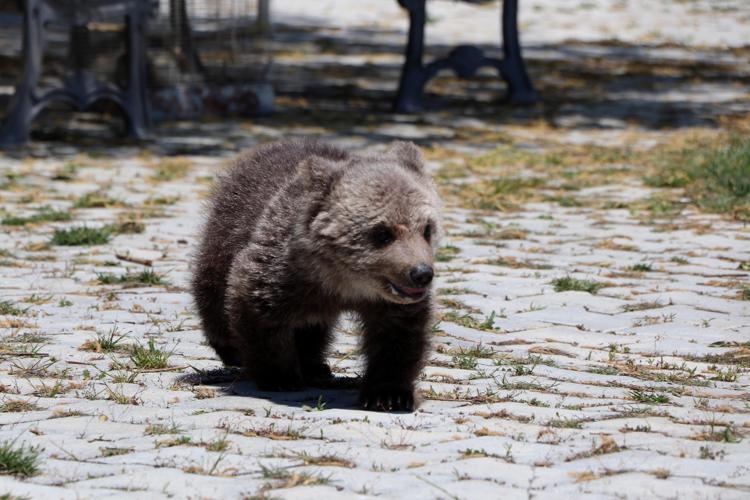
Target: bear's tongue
x,y
411,292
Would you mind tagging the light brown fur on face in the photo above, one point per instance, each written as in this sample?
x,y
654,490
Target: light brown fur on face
x,y
376,195
300,232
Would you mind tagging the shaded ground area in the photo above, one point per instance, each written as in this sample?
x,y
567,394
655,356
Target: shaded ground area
x,y
594,304
590,79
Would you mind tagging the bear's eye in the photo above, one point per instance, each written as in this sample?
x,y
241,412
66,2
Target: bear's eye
x,y
382,236
428,232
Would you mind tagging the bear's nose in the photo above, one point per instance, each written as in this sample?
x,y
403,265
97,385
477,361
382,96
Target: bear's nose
x,y
421,275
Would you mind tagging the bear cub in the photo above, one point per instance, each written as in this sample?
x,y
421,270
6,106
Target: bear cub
x,y
299,232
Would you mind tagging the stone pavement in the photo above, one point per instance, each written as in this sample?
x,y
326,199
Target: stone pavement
x,y
594,333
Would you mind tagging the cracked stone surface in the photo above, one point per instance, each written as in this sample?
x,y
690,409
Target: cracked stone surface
x,y
638,387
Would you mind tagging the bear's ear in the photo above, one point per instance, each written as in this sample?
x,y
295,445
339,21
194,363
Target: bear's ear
x,y
319,173
408,155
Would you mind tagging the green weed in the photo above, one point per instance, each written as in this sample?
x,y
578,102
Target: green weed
x,y
45,214
105,342
447,253
147,277
149,358
716,178
641,267
9,309
96,200
18,461
81,236
569,283
17,405
648,397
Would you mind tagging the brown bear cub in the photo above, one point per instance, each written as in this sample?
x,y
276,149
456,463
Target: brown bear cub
x,y
299,232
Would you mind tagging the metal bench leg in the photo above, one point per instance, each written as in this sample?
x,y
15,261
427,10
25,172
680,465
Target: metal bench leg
x,y
137,97
513,68
15,129
464,60
411,85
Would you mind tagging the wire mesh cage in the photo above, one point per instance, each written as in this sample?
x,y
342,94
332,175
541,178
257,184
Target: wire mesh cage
x,y
204,56
220,40
210,55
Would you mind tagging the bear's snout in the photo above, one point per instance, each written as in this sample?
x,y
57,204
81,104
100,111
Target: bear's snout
x,y
421,275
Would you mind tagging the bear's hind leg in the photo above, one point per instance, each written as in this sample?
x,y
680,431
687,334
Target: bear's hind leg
x,y
271,357
312,343
229,355
210,303
268,352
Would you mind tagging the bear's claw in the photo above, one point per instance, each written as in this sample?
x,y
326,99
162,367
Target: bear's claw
x,y
387,399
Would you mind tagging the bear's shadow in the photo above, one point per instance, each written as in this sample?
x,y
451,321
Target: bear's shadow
x,y
338,393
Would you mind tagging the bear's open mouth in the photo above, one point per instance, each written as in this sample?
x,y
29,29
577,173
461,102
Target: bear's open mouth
x,y
407,292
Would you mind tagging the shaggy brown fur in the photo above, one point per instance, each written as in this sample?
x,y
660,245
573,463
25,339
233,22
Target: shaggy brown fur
x,y
299,232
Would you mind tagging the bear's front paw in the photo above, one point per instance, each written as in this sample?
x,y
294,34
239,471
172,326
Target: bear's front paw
x,y
279,382
387,398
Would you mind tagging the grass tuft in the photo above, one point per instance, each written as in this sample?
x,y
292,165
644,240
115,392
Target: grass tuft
x,y
127,227
17,406
169,169
161,429
290,479
9,309
641,267
105,342
498,193
569,283
45,214
147,277
81,236
447,253
716,178
648,397
86,236
96,200
149,358
468,321
22,461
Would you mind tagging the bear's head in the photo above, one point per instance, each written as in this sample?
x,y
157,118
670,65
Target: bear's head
x,y
373,224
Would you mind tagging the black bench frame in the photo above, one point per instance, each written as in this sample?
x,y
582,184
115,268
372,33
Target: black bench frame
x,y
80,89
465,60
